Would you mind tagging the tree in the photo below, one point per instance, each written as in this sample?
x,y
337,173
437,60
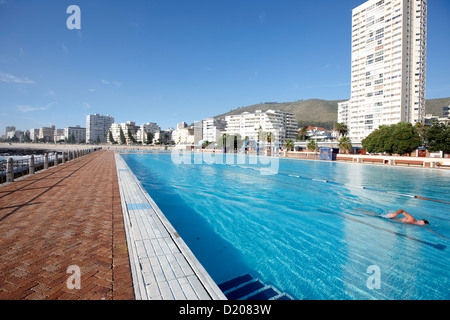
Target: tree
x,y
26,137
289,144
122,137
165,137
312,145
232,142
345,144
437,137
130,136
398,138
269,140
262,135
149,137
111,138
405,137
341,128
302,134
71,139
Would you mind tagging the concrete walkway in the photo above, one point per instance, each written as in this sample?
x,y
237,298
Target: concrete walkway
x,y
62,234
162,265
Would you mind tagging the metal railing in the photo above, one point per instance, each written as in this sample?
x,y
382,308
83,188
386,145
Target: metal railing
x,y
13,169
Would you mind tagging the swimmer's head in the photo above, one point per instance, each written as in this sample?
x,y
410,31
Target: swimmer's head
x,y
423,222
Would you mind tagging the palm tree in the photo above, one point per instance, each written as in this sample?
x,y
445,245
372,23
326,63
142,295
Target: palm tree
x,y
345,144
312,145
289,144
302,133
341,128
269,140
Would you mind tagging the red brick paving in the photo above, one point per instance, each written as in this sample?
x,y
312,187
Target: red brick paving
x,y
68,215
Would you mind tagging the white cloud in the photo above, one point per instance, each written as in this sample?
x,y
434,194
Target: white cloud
x,y
91,90
50,93
86,105
107,82
28,108
9,78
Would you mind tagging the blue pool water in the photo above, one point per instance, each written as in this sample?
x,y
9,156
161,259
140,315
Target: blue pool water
x,y
309,238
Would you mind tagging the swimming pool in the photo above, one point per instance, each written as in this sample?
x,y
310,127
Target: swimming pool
x,y
309,238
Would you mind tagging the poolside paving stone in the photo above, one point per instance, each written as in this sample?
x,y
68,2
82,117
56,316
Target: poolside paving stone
x,y
67,215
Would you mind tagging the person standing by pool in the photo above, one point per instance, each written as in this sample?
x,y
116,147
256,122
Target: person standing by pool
x,y
407,218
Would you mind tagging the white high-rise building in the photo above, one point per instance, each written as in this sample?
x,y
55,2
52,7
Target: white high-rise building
x,y
281,124
388,65
97,127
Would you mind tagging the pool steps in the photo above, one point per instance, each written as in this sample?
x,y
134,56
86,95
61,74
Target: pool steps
x,y
246,287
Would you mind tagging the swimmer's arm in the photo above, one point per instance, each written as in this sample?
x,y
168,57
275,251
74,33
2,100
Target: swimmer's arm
x,y
400,211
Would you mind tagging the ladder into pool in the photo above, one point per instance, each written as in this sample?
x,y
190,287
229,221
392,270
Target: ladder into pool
x,y
246,287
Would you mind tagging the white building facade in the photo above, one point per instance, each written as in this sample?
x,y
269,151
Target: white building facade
x,y
388,65
97,127
128,128
281,124
143,130
78,133
184,135
343,112
212,129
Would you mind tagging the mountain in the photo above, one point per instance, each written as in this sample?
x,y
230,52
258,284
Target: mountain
x,y
323,113
434,106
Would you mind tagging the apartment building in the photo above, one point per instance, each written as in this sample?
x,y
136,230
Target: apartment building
x,y
47,134
149,127
184,135
59,135
97,127
127,128
388,65
446,111
281,124
34,134
77,132
343,112
212,129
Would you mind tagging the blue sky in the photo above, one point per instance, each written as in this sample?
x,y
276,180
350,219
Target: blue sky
x,y
169,61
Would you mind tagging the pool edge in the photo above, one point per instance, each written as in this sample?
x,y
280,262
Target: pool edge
x,y
138,279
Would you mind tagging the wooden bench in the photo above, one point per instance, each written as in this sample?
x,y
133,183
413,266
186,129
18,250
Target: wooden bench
x,y
409,162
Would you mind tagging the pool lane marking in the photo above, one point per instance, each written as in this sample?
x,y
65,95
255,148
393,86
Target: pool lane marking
x,y
344,184
363,187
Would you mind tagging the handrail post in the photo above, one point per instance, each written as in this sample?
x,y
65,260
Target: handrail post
x,y
31,164
10,170
56,162
46,160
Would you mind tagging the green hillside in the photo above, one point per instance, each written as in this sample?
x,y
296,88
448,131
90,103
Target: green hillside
x,y
322,113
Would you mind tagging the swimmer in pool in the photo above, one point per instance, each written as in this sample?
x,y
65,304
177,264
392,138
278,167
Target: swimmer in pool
x,y
407,218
